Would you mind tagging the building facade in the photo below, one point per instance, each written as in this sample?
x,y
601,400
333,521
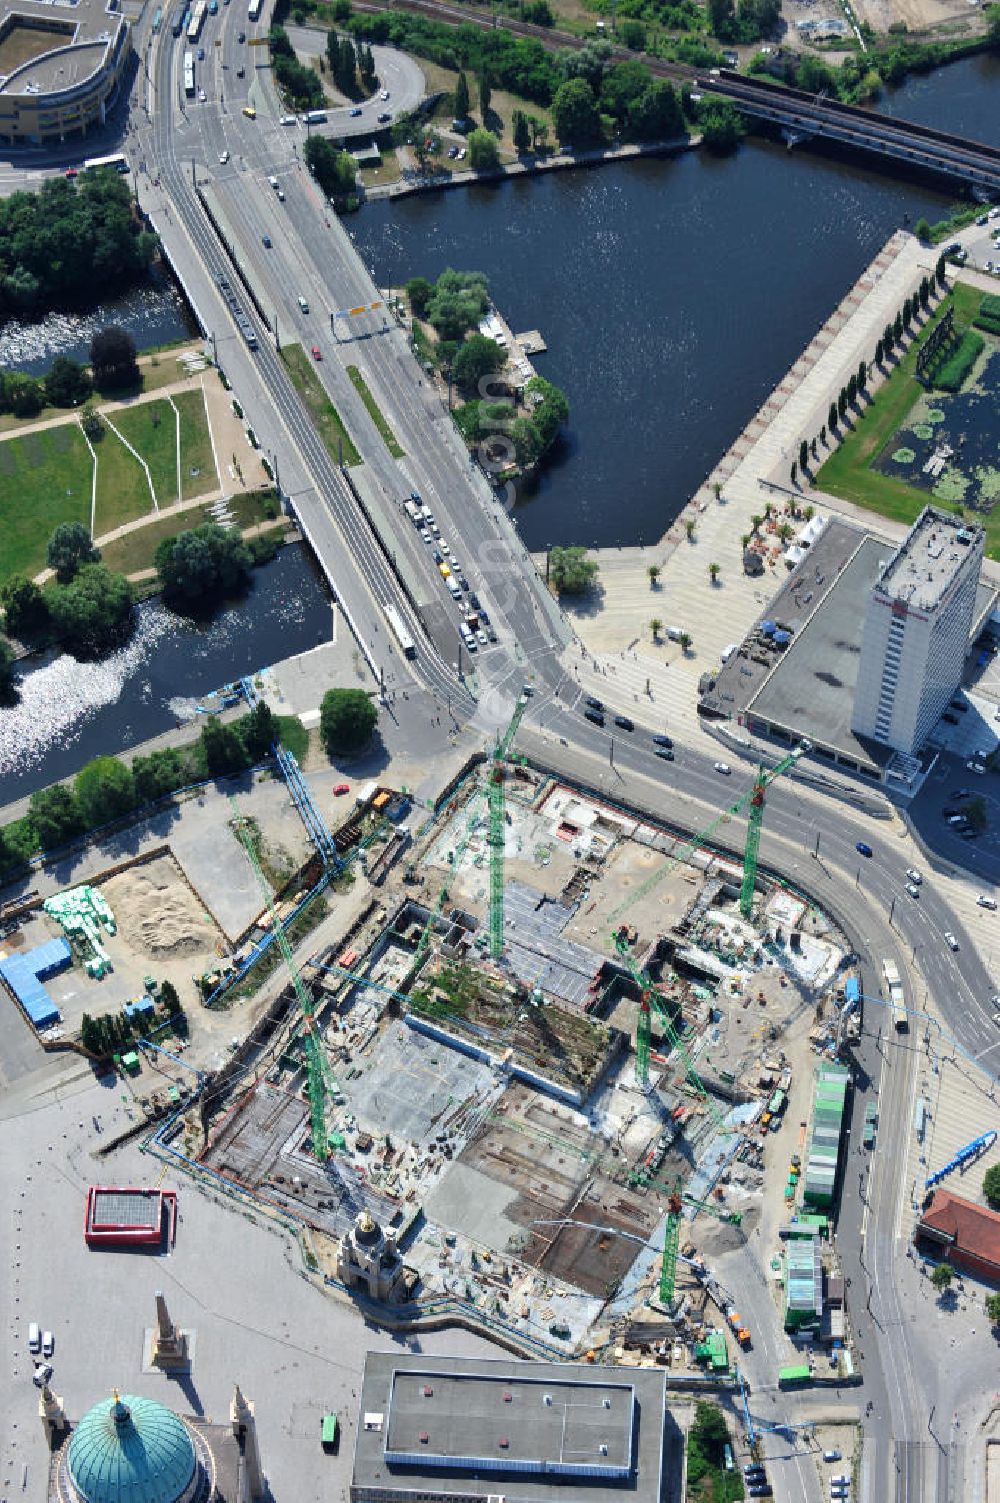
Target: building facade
x,y
368,1259
916,633
60,67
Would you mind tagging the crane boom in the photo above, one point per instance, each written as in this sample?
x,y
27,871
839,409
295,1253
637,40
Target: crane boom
x,y
318,1074
497,802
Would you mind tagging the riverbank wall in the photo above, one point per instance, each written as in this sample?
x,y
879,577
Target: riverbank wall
x,y
533,166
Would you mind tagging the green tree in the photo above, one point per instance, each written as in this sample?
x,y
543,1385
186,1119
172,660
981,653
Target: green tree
x,y
897,327
852,389
260,731
527,442
879,352
200,567
942,1276
522,132
23,394
907,313
70,546
842,403
459,301
8,681
335,171
332,50
992,14
722,19
484,150
571,571
803,454
113,359
24,607
419,292
655,627
160,773
656,114
862,375
714,570
477,357
991,1186
550,410
104,791
347,721
632,34
720,126
922,229
940,270
460,98
67,383
575,114
55,814
976,813
831,417
710,1430
223,748
345,74
93,612
485,95
170,1000
992,1303
654,571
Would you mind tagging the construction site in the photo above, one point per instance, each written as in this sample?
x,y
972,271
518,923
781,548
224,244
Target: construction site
x,y
548,1062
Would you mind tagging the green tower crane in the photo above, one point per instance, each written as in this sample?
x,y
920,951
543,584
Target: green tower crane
x,y
319,1077
671,1247
497,800
755,819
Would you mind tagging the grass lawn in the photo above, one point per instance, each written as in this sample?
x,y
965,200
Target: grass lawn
x,y
847,472
134,551
322,411
45,479
293,736
151,429
375,413
122,487
388,170
502,107
198,472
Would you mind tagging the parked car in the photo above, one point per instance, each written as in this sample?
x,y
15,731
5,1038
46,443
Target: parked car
x,y
48,1344
474,600
242,37
831,1455
223,158
383,94
341,788
72,172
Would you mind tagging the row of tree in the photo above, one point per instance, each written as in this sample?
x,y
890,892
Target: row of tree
x,y
113,1032
347,62
301,87
335,171
74,240
113,367
108,788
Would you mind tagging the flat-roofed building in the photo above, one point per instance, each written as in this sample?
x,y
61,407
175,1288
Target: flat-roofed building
x,y
460,1430
60,67
916,632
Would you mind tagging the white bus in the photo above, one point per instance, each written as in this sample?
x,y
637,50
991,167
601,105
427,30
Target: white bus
x,y
189,74
406,643
894,987
197,20
117,163
254,9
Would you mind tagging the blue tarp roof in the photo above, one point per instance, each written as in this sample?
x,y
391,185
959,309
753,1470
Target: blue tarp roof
x,y
852,989
24,975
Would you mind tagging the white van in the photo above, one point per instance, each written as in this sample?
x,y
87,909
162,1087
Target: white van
x,y
273,181
727,652
454,589
412,510
428,515
34,1338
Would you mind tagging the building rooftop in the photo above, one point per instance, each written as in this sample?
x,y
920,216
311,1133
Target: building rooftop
x,y
529,1431
968,1227
921,571
81,34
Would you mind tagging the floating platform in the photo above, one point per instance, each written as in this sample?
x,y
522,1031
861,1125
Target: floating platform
x,y
531,342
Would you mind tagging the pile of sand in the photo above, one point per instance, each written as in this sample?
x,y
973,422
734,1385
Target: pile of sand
x,y
157,913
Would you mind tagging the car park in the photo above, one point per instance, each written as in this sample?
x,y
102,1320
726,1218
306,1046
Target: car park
x,y
594,716
760,1490
484,618
289,120
446,550
987,902
753,1470
425,535
724,768
950,940
34,1338
463,582
482,638
444,570
623,723
491,633
437,556
840,1480
863,848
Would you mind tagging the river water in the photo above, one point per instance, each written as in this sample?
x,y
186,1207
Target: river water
x,y
673,294
70,711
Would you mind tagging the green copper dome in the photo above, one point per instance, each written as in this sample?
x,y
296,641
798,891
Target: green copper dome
x,y
131,1450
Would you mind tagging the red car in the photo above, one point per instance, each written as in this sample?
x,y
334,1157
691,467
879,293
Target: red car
x,y
316,352
340,788
72,172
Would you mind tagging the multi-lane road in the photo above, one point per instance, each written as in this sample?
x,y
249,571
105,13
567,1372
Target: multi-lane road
x,y
809,836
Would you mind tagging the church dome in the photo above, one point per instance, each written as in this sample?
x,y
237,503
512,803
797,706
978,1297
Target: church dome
x,y
132,1450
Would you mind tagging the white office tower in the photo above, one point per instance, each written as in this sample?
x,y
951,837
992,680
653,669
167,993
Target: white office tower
x,y
917,626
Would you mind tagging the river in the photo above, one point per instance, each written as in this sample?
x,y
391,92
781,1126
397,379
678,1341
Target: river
x,y
70,711
674,294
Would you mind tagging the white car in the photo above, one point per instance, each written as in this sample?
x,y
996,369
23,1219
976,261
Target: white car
x,y
913,875
202,95
425,535
48,1343
985,902
831,1455
384,94
724,768
913,889
950,940
42,1374
223,158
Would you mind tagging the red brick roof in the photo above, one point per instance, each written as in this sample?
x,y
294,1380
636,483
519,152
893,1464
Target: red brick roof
x,y
975,1229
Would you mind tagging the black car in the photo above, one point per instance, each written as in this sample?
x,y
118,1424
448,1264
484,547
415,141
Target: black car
x,y
623,723
664,752
595,704
463,583
415,496
384,118
594,716
759,1490
662,741
754,1472
474,600
437,556
242,37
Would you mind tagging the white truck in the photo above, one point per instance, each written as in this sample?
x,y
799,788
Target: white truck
x,y
894,995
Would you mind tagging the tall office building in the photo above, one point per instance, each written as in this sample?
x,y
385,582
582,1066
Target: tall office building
x,y
916,635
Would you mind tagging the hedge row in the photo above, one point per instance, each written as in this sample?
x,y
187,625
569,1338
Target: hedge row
x,y
956,368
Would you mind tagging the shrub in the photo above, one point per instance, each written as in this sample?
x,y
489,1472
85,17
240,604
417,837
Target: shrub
x,y
347,720
954,372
